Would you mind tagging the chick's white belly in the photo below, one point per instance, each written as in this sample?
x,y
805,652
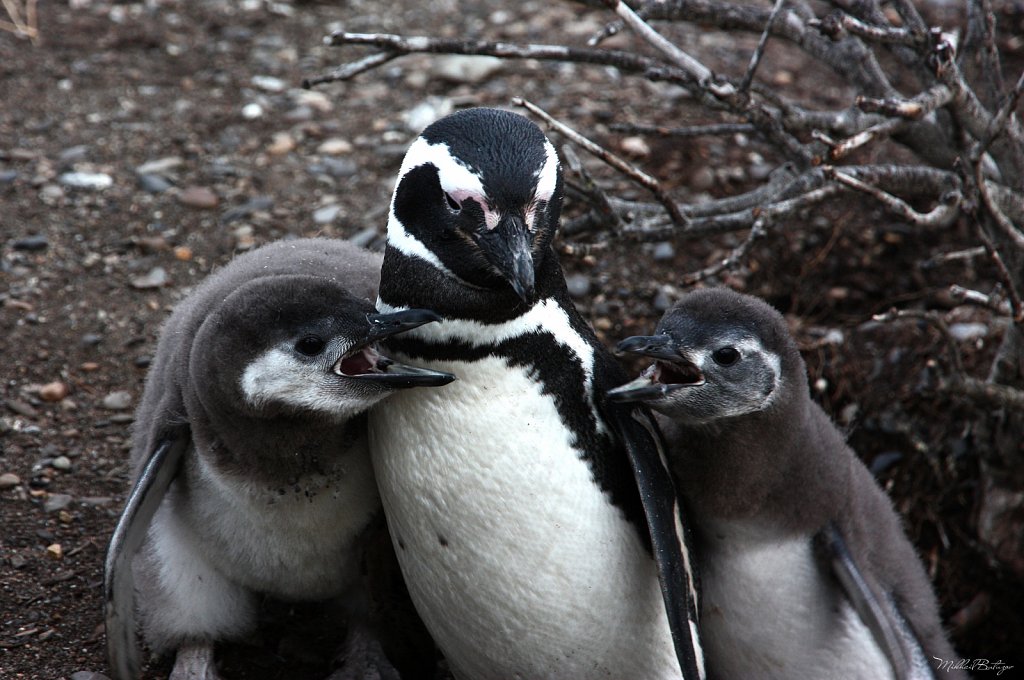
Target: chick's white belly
x,y
296,542
771,612
516,560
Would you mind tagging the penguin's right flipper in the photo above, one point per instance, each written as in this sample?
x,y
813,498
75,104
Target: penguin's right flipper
x,y
118,585
871,611
639,434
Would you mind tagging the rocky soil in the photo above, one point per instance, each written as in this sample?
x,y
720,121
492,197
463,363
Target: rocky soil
x,y
142,144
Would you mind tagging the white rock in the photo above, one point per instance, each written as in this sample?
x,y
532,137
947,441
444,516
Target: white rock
x,y
252,111
465,69
269,83
426,112
95,181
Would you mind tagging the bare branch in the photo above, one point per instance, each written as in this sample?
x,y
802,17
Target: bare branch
x,y
976,297
755,58
956,255
838,22
1002,116
351,70
939,216
604,214
1004,273
990,394
757,231
701,73
626,168
690,131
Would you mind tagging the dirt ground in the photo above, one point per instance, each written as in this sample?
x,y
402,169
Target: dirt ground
x,y
193,140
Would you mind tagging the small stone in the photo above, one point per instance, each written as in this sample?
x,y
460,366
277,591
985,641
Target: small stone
x,y
93,181
160,166
603,323
965,332
465,68
703,179
18,561
201,198
8,176
156,278
89,366
578,285
335,146
65,517
182,253
783,77
326,214
663,251
9,480
33,243
313,99
51,194
117,401
280,144
636,146
365,237
426,112
53,391
662,301
56,501
54,551
21,408
269,83
62,463
91,339
244,239
339,167
143,361
252,111
154,184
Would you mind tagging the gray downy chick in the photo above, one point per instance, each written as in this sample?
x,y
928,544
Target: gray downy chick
x,y
249,449
806,571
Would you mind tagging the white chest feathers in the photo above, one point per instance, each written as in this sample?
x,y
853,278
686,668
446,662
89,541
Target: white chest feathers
x,y
296,542
516,560
770,611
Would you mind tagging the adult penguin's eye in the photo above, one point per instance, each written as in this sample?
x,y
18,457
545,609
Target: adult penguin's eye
x,y
311,345
726,356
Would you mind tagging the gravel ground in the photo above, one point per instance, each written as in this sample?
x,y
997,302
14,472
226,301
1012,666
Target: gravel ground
x,y
141,145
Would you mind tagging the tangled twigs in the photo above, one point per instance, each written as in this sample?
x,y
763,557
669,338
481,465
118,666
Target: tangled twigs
x,y
759,229
24,21
598,151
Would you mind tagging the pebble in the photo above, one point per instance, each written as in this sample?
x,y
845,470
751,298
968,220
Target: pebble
x,y
326,214
91,339
8,176
54,551
335,146
94,181
703,179
662,300
269,83
199,197
159,166
578,285
965,332
364,238
244,238
156,278
338,167
33,243
663,251
62,463
88,675
313,99
636,146
53,391
280,144
248,208
51,194
56,501
21,408
154,184
73,154
252,111
426,112
8,480
117,401
465,68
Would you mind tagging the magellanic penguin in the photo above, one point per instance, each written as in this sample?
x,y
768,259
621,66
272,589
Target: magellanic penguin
x,y
249,448
509,494
806,570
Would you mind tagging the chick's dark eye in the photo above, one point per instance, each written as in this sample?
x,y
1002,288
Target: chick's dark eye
x,y
452,203
310,345
726,356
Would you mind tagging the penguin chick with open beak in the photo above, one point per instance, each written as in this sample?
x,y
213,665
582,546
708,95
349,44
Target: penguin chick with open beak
x,y
806,570
252,470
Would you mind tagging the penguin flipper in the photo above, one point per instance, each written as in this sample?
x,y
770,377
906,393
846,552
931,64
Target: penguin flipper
x,y
642,440
150,488
831,545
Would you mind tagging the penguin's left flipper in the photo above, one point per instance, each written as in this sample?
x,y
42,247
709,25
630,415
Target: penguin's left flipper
x,y
832,547
118,585
635,428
